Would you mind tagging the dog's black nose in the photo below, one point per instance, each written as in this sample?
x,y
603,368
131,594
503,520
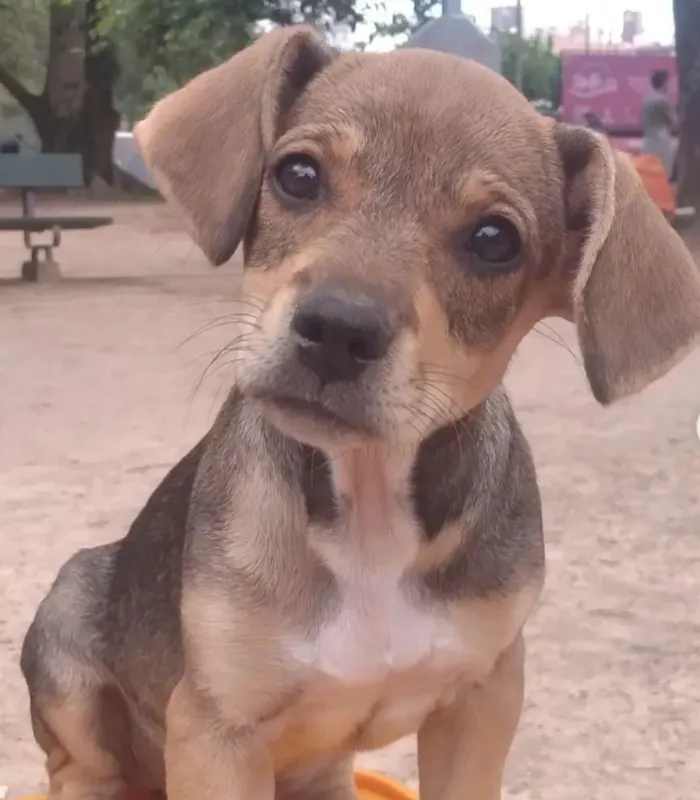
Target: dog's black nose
x,y
339,335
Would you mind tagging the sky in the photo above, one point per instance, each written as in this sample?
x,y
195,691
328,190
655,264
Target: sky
x,y
604,15
657,15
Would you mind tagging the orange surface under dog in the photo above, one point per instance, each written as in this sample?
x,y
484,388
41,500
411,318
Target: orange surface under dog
x,y
370,786
655,181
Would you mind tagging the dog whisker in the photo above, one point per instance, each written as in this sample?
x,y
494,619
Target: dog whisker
x,y
257,308
556,338
441,399
434,409
434,386
439,370
239,346
221,322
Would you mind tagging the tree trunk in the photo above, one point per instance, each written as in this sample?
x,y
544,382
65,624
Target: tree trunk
x,y
64,90
687,21
75,111
99,118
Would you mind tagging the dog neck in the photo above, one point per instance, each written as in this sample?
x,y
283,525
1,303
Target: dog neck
x,y
284,523
436,481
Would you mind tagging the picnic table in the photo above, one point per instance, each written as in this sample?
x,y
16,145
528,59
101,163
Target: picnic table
x,y
30,172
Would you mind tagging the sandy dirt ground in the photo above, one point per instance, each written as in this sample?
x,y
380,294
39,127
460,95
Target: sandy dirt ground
x,y
98,399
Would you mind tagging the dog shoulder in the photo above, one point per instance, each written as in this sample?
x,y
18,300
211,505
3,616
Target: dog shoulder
x,y
501,546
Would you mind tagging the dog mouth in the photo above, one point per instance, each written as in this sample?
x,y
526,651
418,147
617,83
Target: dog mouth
x,y
310,413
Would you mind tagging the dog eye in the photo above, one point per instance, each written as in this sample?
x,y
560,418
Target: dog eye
x,y
298,176
495,243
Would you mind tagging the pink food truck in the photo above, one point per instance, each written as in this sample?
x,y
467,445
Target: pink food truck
x,y
611,86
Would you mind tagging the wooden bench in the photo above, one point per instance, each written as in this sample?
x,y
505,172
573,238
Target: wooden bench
x,y
29,172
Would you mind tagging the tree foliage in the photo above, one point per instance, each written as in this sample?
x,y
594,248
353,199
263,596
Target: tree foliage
x,y
56,66
163,43
399,26
541,65
23,47
66,62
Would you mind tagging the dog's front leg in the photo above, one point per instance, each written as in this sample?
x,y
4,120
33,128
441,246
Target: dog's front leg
x,y
206,761
462,748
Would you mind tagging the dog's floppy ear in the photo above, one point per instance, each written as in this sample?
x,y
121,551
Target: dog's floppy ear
x,y
633,287
205,144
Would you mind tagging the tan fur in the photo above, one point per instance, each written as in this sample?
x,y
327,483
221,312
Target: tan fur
x,y
305,638
77,761
239,101
450,755
632,270
356,701
201,763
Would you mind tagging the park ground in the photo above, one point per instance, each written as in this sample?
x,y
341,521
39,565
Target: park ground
x,y
99,396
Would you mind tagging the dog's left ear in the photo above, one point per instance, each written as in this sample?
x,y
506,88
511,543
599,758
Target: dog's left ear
x,y
633,288
205,144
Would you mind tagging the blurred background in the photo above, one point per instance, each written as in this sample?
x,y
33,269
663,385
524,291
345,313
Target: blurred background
x,y
75,74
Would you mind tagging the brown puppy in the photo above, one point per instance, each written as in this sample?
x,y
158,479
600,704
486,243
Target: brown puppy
x,y
351,552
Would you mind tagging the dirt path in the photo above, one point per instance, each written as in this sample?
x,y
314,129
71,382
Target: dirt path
x,y
96,402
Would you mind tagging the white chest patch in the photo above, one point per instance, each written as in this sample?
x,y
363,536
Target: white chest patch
x,y
377,631
383,659
380,628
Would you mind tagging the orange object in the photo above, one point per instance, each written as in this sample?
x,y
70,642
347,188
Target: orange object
x,y
369,785
655,181
372,786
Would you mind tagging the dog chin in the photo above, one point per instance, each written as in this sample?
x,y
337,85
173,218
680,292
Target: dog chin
x,y
313,422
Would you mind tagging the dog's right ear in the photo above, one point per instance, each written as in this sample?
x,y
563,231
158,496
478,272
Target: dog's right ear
x,y
205,144
633,288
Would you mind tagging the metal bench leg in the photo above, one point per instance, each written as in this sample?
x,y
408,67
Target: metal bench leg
x,y
41,267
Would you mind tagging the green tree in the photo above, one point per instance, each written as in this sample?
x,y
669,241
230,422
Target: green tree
x,y
57,67
163,43
24,40
541,65
400,26
687,19
65,61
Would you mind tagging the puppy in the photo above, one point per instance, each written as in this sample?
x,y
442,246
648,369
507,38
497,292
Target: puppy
x,y
351,552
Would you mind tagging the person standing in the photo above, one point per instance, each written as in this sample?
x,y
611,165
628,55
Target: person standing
x,y
658,121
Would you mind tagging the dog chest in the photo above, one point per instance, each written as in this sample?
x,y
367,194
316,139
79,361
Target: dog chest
x,y
331,716
383,659
370,675
378,632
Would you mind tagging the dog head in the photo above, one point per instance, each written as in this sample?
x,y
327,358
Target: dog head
x,y
406,219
